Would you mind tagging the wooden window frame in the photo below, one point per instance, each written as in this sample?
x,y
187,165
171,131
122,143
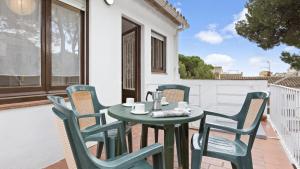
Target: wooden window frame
x,y
24,94
164,55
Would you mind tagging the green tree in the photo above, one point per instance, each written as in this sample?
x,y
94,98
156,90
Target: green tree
x,y
193,67
182,71
293,60
270,23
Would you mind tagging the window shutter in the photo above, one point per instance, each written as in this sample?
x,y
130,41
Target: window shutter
x,y
158,53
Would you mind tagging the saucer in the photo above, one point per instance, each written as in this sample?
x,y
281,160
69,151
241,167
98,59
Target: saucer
x,y
164,103
183,109
139,113
127,105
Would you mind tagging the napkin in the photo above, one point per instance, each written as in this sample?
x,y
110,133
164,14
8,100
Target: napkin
x,y
171,113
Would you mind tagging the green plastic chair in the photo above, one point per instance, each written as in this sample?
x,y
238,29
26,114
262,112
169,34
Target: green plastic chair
x,y
173,93
238,151
84,101
82,156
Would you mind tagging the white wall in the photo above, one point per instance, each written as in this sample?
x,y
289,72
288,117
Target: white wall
x,y
105,45
224,96
29,139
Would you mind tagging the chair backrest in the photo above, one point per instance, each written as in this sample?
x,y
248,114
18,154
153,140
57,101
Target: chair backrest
x,y
84,100
251,113
68,123
63,135
175,93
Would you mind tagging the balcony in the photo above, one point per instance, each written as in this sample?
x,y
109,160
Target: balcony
x,y
50,45
267,154
278,149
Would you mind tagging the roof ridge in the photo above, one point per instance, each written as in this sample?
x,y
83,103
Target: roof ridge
x,y
167,9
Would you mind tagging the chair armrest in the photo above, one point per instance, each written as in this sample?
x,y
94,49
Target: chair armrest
x,y
100,115
219,115
129,160
103,128
230,129
203,120
90,115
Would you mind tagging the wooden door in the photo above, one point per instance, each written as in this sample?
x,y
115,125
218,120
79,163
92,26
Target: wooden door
x,y
131,64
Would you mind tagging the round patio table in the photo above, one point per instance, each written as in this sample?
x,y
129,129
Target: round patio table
x,y
122,113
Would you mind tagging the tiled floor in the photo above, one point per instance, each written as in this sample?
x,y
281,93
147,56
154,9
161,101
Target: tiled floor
x,y
267,154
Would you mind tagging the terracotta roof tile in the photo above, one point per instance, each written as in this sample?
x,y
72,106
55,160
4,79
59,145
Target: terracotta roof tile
x,y
293,82
169,11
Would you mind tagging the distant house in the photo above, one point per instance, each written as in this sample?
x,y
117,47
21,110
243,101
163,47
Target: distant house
x,y
265,73
293,72
231,75
217,71
220,74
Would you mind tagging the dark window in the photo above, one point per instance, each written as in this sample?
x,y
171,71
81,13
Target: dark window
x,y
158,53
41,49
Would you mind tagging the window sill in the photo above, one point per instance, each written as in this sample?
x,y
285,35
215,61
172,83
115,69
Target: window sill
x,y
23,104
29,99
159,73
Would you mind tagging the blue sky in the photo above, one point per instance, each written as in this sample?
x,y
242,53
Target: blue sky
x,y
212,37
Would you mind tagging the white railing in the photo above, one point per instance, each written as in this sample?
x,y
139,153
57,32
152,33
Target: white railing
x,y
285,118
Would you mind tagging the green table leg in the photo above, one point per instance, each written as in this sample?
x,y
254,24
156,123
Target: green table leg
x,y
169,146
184,137
144,137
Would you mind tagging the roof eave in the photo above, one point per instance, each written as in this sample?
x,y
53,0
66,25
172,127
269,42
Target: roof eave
x,y
169,11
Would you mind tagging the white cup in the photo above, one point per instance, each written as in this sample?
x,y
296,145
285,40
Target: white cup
x,y
129,101
163,100
182,105
138,108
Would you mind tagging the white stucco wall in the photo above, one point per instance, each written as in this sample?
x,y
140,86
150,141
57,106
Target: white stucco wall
x,y
29,139
223,96
105,45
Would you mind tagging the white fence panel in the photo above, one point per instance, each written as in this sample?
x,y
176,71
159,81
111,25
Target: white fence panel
x,y
285,117
224,96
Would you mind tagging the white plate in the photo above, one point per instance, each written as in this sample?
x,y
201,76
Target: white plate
x,y
181,109
127,105
165,103
139,113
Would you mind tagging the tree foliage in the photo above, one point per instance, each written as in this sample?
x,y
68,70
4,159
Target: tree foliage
x,y
270,23
193,67
293,60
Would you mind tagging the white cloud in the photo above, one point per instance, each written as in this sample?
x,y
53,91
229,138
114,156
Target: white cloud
x,y
210,36
259,62
214,36
291,49
217,59
230,28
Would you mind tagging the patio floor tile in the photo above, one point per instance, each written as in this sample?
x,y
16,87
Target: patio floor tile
x,y
267,154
